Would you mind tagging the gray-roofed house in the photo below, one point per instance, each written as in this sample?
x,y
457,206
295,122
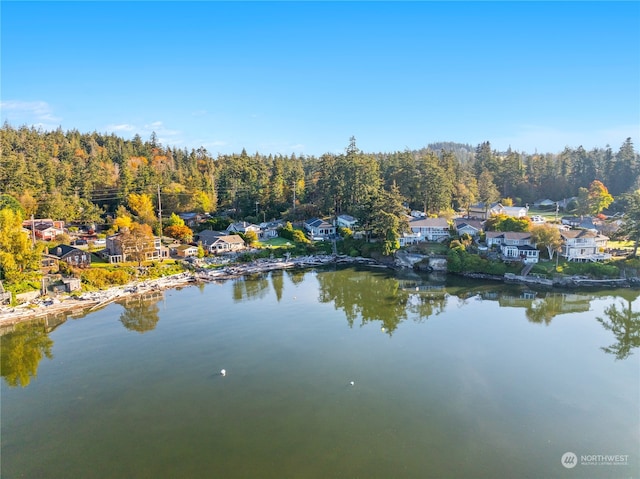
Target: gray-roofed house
x,y
346,221
584,245
319,229
226,244
469,226
73,256
243,227
431,229
514,245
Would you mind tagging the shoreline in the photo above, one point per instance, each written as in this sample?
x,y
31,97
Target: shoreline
x,y
46,307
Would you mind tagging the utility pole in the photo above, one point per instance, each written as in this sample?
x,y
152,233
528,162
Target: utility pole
x,y
159,211
33,230
257,203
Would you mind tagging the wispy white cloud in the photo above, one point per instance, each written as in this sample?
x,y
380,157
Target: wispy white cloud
x,y
199,113
122,127
36,113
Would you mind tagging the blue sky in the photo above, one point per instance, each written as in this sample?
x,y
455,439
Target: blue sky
x,y
303,77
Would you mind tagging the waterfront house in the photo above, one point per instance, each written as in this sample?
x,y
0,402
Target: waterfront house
x,y
430,229
118,250
468,226
318,229
225,244
243,227
514,245
584,245
73,256
186,250
346,221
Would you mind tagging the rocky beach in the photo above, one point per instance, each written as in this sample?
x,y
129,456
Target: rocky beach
x,y
45,306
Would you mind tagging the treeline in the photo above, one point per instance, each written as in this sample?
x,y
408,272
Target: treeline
x,y
86,176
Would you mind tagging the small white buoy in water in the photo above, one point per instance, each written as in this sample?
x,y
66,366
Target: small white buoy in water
x,y
352,383
223,372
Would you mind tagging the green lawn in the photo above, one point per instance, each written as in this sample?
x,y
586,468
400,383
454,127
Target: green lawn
x,y
277,242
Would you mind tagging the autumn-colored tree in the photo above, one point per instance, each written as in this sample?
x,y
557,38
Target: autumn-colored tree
x,y
180,232
502,222
21,351
18,255
137,242
29,203
250,237
547,236
598,197
174,220
122,222
142,206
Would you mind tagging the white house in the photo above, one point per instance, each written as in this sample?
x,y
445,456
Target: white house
x,y
226,244
243,227
346,221
219,242
407,239
513,211
584,245
186,250
514,245
269,229
431,229
319,229
468,226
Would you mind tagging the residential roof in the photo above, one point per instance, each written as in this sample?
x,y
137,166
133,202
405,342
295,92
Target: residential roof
x,y
572,234
429,222
512,235
185,247
63,250
209,236
229,239
316,222
462,222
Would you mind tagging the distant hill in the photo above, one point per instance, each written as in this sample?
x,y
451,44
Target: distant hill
x,y
464,152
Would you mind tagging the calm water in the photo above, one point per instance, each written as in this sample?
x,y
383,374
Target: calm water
x,y
462,380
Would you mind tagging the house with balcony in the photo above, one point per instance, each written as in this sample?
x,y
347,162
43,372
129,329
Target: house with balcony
x,y
318,229
118,249
584,245
430,229
514,245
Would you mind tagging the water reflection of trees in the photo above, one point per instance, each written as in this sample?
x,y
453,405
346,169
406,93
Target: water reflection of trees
x,y
625,326
375,297
250,287
141,313
21,352
277,281
542,310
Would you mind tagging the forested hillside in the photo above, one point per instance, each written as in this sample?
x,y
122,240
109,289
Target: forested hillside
x,y
78,176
